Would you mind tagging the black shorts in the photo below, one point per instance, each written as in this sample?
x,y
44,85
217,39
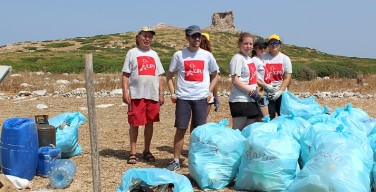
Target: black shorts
x,y
275,106
250,110
185,108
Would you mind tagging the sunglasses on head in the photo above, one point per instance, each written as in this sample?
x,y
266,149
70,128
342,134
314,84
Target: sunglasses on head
x,y
196,35
274,43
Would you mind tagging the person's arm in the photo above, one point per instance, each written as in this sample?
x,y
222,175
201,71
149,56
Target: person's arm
x,y
240,85
286,81
170,85
125,85
161,94
213,81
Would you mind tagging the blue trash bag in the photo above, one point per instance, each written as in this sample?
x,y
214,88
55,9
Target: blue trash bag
x,y
372,142
246,132
342,162
153,177
305,108
67,133
214,155
320,123
269,162
373,176
293,123
358,118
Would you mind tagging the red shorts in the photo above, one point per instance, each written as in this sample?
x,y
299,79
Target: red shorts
x,y
142,111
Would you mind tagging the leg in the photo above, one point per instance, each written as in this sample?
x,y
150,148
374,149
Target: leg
x,y
148,135
133,134
239,122
264,110
178,142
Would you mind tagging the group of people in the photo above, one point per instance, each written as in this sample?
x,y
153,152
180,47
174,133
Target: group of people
x,y
258,82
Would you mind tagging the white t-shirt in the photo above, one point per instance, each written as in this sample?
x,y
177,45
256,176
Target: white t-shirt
x,y
193,73
259,67
244,67
275,67
144,68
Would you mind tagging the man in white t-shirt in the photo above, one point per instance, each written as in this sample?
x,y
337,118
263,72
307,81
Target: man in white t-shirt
x,y
277,75
197,75
142,91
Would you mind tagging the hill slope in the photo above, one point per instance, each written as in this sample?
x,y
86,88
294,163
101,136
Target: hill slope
x,y
59,56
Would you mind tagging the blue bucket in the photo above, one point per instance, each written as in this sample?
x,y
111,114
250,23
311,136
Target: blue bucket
x,y
19,147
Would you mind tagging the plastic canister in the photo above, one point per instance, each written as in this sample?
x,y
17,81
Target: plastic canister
x,y
19,148
47,156
46,132
61,175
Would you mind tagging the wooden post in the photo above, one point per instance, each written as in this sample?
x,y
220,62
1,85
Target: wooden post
x,y
92,124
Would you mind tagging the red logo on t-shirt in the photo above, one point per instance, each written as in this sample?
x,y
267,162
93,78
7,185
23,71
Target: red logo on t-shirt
x,y
252,74
273,72
194,70
146,65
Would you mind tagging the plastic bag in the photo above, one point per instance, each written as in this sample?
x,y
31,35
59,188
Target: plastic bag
x,y
269,162
67,133
153,177
214,155
293,123
305,108
342,162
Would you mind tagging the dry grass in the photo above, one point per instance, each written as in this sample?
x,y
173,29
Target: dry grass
x,y
108,82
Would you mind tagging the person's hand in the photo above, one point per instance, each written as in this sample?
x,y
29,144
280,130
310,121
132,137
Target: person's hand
x,y
276,95
268,88
127,98
208,98
173,98
255,95
216,104
161,99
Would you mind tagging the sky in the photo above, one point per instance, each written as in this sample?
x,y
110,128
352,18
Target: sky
x,y
339,27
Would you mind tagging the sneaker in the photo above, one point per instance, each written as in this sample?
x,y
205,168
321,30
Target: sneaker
x,y
173,166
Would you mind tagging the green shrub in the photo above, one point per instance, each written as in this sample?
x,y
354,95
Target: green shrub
x,y
58,45
303,72
31,48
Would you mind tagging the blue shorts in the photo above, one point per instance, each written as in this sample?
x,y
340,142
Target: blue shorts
x,y
184,109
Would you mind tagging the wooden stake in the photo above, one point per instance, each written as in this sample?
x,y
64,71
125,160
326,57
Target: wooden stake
x,y
92,124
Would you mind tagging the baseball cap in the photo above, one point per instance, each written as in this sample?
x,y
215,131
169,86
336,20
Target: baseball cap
x,y
206,35
147,29
274,36
260,42
192,30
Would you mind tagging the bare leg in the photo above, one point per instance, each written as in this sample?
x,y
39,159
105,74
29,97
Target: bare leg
x,y
239,122
148,135
178,142
264,110
133,134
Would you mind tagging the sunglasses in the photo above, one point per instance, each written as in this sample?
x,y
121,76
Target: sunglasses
x,y
274,43
262,47
195,36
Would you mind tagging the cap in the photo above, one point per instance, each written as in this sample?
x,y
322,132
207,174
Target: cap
x,y
260,42
192,30
147,29
274,36
206,35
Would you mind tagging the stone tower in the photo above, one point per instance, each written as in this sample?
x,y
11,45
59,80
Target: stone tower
x,y
223,21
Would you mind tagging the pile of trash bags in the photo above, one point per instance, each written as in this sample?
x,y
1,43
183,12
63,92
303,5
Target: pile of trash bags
x,y
304,149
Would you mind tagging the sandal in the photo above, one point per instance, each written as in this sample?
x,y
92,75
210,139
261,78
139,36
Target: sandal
x,y
132,159
148,156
